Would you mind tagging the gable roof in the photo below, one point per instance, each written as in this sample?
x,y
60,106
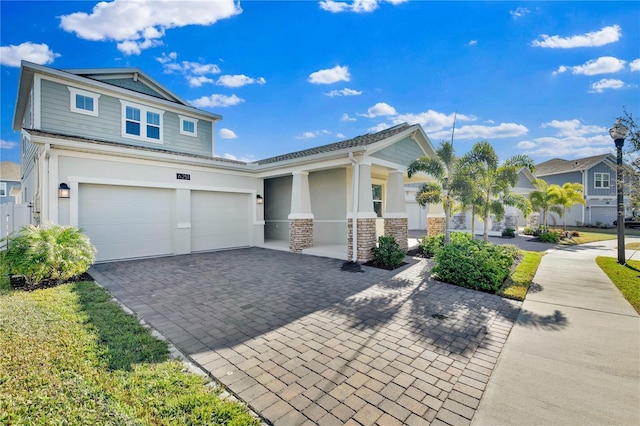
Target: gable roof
x,y
557,165
358,141
9,171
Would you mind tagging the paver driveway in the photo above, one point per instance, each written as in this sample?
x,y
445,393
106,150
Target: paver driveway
x,y
304,342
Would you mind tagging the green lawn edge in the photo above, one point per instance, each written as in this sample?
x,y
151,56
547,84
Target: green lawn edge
x,y
625,277
70,355
517,284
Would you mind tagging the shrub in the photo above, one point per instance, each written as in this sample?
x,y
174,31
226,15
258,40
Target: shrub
x,y
48,252
474,264
508,232
388,253
430,245
549,237
527,230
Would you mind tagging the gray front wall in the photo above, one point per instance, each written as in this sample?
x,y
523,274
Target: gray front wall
x,y
277,206
328,190
57,117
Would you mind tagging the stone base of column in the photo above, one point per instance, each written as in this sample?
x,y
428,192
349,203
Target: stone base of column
x,y
398,229
435,226
366,239
300,234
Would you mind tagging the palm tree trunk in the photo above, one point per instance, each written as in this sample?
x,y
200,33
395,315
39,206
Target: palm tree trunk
x,y
473,222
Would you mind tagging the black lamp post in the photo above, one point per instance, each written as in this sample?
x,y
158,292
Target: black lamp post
x,y
618,133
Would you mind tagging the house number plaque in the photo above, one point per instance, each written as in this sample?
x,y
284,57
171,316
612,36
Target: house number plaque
x,y
183,176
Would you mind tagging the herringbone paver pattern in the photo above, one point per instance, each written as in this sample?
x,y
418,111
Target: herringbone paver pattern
x,y
304,342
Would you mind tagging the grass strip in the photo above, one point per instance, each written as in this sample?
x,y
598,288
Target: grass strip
x,y
69,355
517,284
632,246
625,277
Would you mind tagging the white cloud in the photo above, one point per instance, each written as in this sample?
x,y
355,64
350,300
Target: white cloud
x,y
165,59
472,43
310,135
331,75
188,67
7,145
356,6
635,65
572,139
475,131
238,80
37,53
606,83
345,117
227,134
139,25
379,127
344,92
216,101
197,81
519,12
602,65
340,135
606,35
433,121
380,109
573,128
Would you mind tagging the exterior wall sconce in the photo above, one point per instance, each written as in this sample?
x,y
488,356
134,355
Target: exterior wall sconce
x,y
259,199
64,191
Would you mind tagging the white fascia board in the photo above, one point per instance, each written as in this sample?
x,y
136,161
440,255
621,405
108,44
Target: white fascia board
x,y
125,152
313,162
120,92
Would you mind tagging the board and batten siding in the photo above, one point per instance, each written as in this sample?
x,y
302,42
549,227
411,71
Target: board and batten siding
x,y
602,168
57,117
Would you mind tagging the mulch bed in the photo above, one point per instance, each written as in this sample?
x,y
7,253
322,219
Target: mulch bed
x,y
18,282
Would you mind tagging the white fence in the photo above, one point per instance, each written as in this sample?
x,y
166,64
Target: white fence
x,y
13,217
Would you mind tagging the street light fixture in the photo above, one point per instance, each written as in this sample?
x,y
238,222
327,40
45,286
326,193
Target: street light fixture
x,y
618,133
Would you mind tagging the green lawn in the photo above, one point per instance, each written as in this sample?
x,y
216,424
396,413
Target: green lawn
x,y
517,284
68,355
626,278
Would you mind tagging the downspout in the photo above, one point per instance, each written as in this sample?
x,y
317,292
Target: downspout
x,y
355,197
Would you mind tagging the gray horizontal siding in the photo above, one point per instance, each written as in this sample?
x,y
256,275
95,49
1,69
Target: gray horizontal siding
x,y
561,179
403,152
57,117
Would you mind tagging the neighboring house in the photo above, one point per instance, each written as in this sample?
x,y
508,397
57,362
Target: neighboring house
x,y
598,176
9,182
144,180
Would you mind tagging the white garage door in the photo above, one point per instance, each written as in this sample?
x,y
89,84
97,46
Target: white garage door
x,y
127,222
219,220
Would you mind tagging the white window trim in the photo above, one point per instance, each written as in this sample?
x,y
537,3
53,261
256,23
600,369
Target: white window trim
x,y
602,180
72,98
143,122
184,118
3,189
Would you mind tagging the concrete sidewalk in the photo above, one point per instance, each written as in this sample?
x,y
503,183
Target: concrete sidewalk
x,y
582,365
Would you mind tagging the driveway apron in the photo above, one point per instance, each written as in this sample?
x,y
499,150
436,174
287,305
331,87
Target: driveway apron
x,y
304,342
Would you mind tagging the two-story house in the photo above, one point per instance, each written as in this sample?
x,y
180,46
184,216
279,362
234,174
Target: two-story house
x,y
597,175
114,152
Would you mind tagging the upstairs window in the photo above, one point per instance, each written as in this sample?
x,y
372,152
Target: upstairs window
x,y
601,180
188,126
83,102
3,189
141,122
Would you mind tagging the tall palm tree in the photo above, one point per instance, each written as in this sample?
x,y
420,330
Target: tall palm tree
x,y
546,198
493,183
441,169
569,195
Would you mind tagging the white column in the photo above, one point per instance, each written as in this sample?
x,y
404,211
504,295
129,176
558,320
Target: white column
x,y
300,198
365,194
396,206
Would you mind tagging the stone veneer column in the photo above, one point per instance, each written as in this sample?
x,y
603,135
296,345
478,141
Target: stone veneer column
x,y
396,220
435,225
366,239
365,215
300,218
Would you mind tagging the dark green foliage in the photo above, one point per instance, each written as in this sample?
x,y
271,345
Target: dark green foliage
x,y
430,245
549,237
388,253
48,252
509,232
474,264
527,230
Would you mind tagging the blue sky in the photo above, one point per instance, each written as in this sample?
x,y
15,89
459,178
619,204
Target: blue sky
x,y
540,78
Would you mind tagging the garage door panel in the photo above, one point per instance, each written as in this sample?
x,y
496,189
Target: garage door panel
x,y
127,222
219,220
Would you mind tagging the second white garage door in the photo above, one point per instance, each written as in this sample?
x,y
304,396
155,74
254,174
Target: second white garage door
x,y
219,220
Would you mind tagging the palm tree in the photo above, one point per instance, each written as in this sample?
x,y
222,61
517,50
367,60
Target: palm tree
x,y
493,182
546,198
569,195
441,168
